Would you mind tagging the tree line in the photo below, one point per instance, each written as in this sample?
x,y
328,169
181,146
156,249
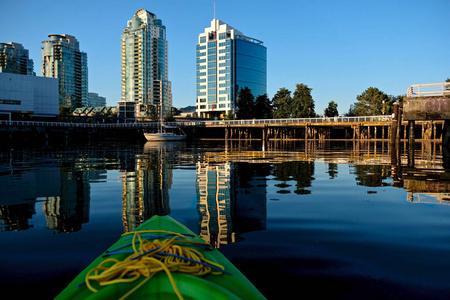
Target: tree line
x,y
300,104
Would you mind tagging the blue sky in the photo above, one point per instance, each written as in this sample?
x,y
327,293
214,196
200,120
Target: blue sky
x,y
337,48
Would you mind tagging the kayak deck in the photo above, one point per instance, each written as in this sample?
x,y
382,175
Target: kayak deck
x,y
161,259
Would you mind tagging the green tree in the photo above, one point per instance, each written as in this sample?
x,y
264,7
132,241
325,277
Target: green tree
x,y
371,102
302,102
281,103
65,110
245,104
229,115
263,107
389,104
331,110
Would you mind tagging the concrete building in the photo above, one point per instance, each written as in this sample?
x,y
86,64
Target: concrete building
x,y
14,58
226,62
145,78
28,94
62,59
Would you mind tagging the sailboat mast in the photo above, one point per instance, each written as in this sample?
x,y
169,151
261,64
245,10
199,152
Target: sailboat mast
x,y
160,117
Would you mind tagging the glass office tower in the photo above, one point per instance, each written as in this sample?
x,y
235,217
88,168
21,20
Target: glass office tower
x,y
14,58
62,58
226,62
95,100
145,65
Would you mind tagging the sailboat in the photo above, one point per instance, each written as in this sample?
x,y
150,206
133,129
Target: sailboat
x,y
163,134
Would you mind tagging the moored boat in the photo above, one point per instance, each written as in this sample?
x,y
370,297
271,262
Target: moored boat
x,y
164,136
161,259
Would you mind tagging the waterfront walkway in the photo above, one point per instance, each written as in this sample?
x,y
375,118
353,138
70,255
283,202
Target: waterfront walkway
x,y
207,123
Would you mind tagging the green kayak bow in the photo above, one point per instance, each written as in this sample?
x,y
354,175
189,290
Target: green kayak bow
x,y
161,259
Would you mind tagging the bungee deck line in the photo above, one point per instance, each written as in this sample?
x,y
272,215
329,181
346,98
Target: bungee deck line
x,y
149,256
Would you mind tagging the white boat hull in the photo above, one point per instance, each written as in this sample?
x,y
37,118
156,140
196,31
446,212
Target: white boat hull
x,y
164,137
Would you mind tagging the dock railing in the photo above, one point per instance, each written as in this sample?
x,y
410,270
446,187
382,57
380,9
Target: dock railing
x,y
429,89
202,123
290,121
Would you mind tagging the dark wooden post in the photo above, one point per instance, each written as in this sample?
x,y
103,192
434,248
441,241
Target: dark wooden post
x,y
411,140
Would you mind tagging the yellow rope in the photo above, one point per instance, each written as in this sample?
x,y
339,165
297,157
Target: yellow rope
x,y
163,255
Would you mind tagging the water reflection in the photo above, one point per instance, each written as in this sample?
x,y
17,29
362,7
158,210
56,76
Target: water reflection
x,y
58,181
63,190
231,186
230,200
146,188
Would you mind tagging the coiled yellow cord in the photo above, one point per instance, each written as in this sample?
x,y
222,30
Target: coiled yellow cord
x,y
150,257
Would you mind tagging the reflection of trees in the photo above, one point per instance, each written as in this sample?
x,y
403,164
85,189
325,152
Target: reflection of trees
x,y
247,173
332,170
300,171
371,175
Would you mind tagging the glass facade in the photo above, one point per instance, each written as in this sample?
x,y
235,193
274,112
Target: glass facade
x,y
62,59
226,60
95,100
145,63
14,58
251,66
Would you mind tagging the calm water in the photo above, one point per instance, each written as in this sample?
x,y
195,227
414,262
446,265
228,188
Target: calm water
x,y
334,220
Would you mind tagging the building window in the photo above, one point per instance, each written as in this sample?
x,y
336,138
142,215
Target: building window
x,y
199,53
212,57
211,51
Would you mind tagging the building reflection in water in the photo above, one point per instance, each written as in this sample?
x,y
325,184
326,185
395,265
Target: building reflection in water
x,y
67,212
64,188
146,189
228,202
214,198
231,188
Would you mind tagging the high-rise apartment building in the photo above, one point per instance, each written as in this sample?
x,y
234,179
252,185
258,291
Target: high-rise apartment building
x,y
62,59
226,62
145,76
14,58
